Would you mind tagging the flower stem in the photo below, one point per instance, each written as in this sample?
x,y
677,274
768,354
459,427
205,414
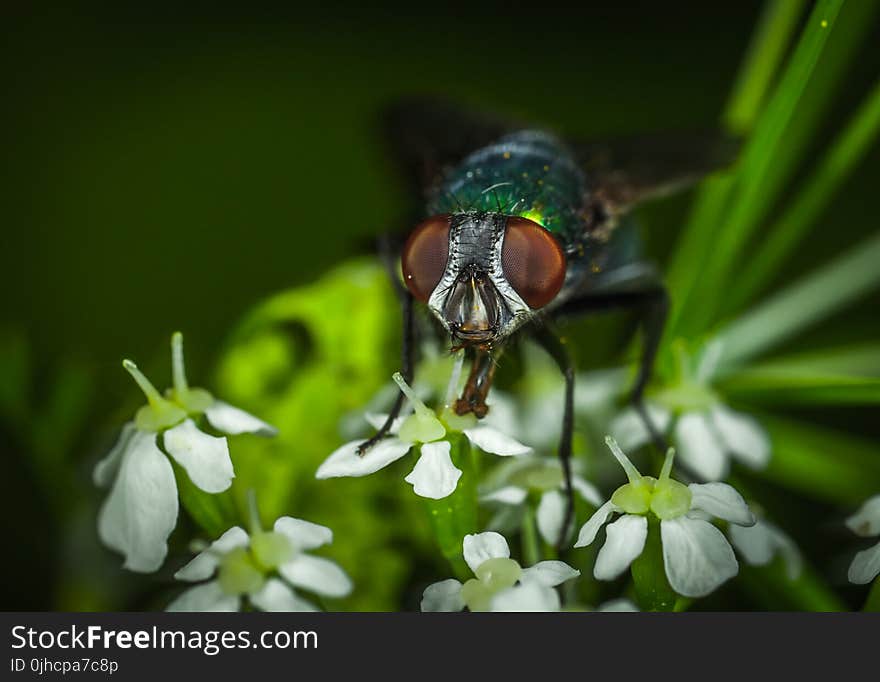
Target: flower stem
x,y
455,516
530,544
649,573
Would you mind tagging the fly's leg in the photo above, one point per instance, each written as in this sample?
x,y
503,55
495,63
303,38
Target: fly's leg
x,y
555,347
406,370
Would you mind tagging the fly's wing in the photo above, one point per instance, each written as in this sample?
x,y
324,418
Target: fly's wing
x,y
428,136
627,171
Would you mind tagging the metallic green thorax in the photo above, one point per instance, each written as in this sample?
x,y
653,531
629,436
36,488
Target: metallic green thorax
x,y
530,174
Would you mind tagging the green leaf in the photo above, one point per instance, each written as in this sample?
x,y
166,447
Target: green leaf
x,y
849,375
771,155
775,591
812,199
803,303
872,604
763,57
821,463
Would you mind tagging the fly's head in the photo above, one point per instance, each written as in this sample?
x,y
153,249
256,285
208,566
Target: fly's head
x,y
483,275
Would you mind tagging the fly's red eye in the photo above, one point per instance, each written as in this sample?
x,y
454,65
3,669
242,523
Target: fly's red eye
x,y
533,262
424,256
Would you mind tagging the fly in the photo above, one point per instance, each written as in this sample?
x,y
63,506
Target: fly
x,y
520,226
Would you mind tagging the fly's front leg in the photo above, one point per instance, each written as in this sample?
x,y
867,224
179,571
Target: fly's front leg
x,y
406,370
555,347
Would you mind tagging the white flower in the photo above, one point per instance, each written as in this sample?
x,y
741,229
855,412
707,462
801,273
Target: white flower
x,y
706,439
706,432
141,510
696,555
544,475
262,568
866,523
758,545
434,475
501,584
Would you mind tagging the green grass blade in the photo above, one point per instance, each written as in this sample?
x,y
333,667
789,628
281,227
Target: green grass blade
x,y
768,160
761,63
812,199
821,463
849,375
819,294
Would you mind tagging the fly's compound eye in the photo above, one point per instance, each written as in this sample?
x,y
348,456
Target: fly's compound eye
x,y
424,256
533,262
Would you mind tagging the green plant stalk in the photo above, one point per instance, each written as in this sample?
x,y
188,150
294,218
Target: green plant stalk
x,y
455,516
763,57
531,543
815,296
772,587
849,149
649,573
214,514
766,163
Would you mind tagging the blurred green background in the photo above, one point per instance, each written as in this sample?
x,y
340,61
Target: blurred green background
x,y
168,169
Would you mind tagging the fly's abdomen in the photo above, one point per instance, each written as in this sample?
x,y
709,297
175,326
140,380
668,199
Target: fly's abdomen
x,y
527,173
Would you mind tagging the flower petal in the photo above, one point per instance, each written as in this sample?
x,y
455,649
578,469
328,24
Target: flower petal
x,y
205,458
304,535
696,555
509,494
495,442
526,597
481,547
742,435
722,501
629,430
594,523
865,566
233,421
345,461
141,510
316,574
699,448
444,596
586,490
760,542
550,516
866,521
625,540
108,467
207,597
549,573
205,563
277,596
434,475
